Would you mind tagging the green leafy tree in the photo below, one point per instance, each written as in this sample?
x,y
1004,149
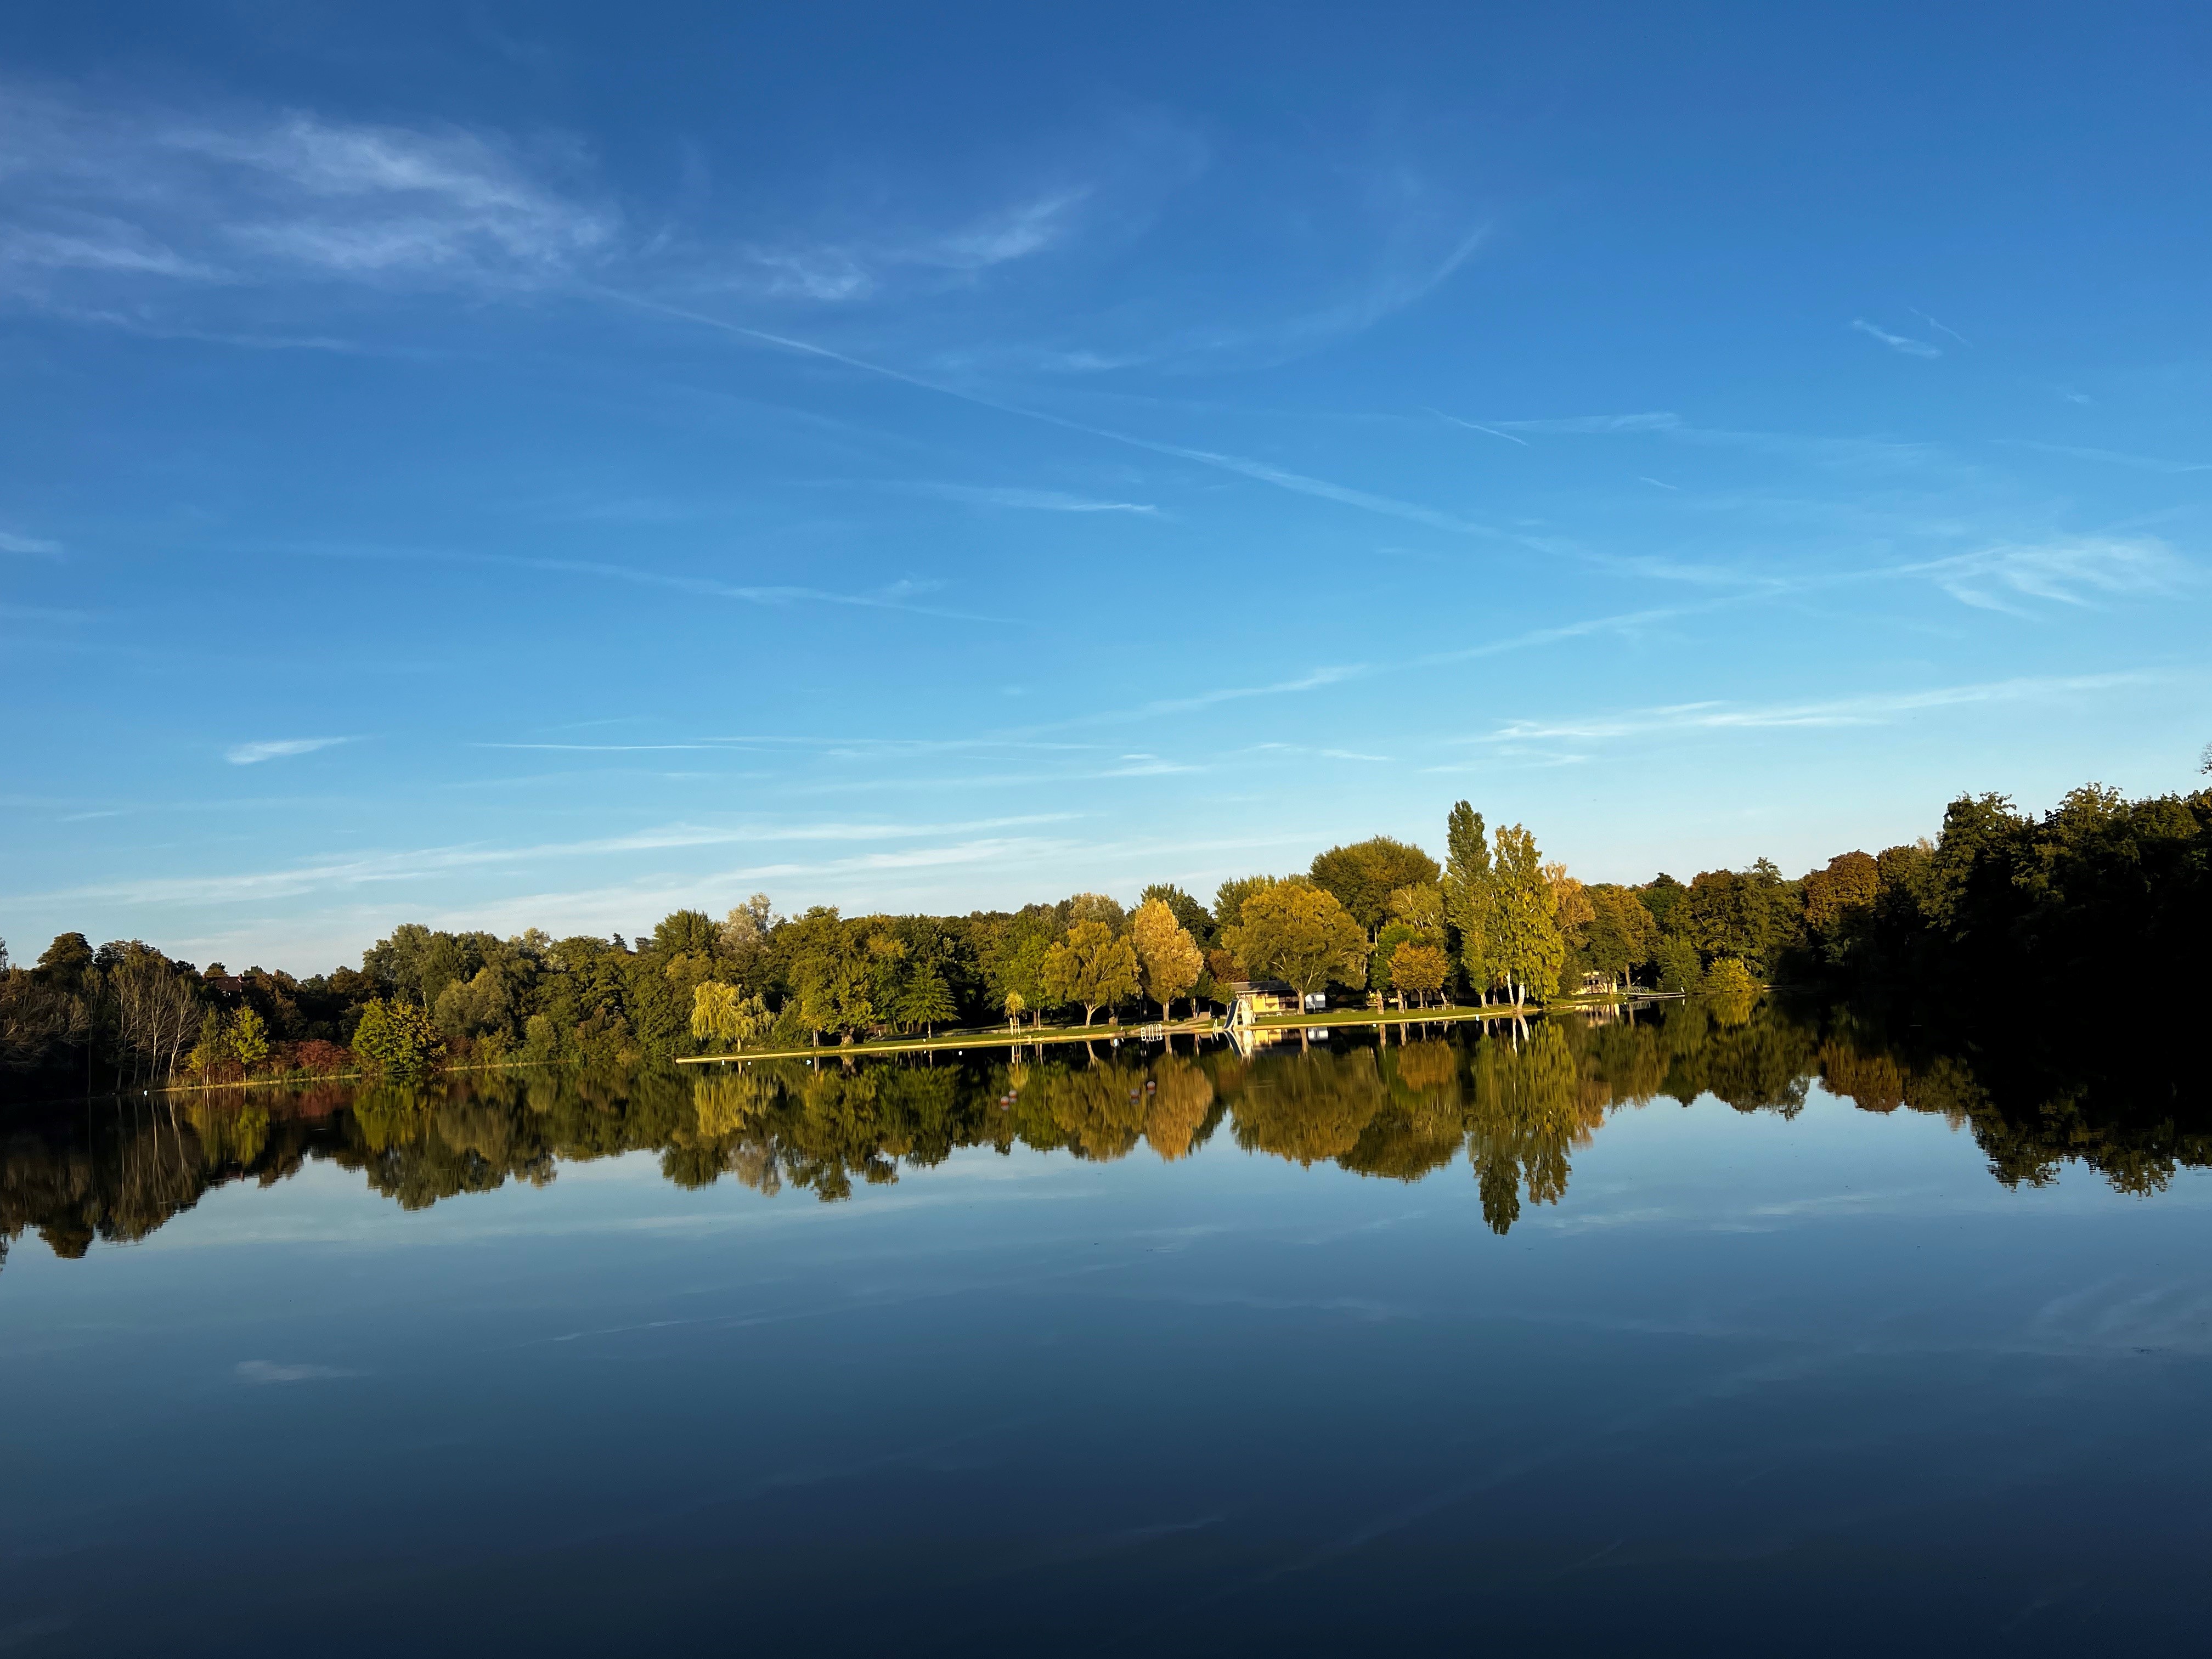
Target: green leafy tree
x,y
1728,977
1394,934
1420,906
1093,966
1094,906
1228,900
1572,914
681,932
1299,932
1168,959
248,1038
1364,875
1662,896
212,1048
926,1000
397,1040
1677,961
1621,933
1013,961
832,974
1840,905
1750,914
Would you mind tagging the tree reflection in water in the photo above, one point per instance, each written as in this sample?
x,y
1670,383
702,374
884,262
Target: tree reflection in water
x,y
1518,1101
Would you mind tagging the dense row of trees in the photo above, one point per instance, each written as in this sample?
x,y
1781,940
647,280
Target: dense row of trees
x,y
1517,1107
2099,886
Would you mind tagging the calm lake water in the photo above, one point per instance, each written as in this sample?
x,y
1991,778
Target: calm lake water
x,y
1710,1328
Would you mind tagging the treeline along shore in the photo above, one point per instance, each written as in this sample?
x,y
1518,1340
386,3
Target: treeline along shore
x,y
2098,894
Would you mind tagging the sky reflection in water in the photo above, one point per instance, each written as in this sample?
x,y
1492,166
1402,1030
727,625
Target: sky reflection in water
x,y
1449,1344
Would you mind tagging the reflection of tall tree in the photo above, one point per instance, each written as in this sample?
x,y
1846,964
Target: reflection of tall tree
x,y
1526,1109
232,1133
123,1171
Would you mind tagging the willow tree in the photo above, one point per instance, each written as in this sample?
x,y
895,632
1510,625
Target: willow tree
x,y
1168,960
721,1012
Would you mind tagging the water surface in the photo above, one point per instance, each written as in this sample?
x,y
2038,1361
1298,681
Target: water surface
x,y
1720,1327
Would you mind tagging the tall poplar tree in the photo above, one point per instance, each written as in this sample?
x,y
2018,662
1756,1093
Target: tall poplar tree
x,y
1528,949
1470,897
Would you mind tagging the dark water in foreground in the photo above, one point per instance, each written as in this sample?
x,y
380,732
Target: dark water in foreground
x,y
1448,1346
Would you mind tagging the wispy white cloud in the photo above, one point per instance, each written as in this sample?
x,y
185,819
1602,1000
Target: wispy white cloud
x,y
1942,328
2068,572
1012,234
1311,681
1842,453
95,243
2117,458
1407,276
1653,420
1656,484
1876,708
1301,483
900,595
317,875
1477,426
128,190
36,546
1038,500
265,1372
1262,472
833,271
1324,754
252,754
1911,348
1625,622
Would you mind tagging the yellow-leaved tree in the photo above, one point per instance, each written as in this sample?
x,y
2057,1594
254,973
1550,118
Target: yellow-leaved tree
x,y
1168,959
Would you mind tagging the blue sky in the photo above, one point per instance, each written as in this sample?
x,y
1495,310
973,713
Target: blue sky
x,y
503,465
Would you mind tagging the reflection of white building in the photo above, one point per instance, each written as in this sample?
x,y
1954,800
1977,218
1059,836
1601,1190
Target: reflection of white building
x,y
1249,999
1248,1039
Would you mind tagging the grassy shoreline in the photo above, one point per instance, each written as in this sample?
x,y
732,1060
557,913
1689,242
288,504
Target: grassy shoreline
x,y
996,1037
